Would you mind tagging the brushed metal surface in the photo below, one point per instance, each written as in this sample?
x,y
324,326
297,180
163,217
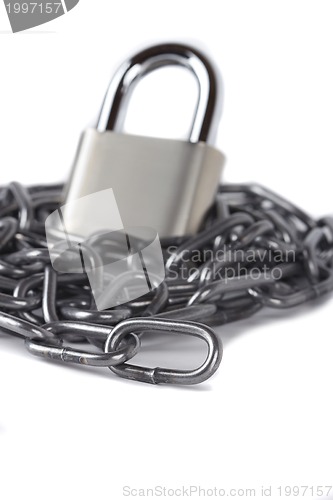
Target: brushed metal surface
x,y
165,184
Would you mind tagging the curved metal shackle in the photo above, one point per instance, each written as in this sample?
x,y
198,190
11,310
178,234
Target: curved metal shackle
x,y
208,108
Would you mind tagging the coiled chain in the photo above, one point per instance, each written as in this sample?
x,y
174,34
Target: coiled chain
x,y
255,249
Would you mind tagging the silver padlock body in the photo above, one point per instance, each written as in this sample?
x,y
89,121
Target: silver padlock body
x,y
164,184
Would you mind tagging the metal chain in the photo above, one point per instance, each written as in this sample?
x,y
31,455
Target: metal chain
x,y
255,249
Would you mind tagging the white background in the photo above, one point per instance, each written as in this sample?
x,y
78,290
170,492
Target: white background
x,y
266,417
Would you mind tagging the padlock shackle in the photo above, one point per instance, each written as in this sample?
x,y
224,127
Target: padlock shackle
x,y
135,68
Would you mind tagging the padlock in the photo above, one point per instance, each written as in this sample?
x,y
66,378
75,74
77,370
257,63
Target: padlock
x,y
165,184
